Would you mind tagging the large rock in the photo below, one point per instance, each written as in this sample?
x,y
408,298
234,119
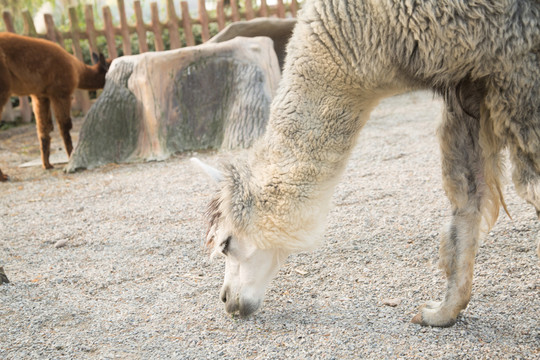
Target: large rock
x,y
215,95
279,30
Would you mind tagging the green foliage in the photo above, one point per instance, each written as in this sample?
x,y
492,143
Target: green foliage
x,y
16,7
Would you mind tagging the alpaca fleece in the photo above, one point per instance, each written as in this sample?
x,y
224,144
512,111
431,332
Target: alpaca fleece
x,y
344,56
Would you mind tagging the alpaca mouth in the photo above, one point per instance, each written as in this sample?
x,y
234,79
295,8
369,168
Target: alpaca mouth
x,y
243,308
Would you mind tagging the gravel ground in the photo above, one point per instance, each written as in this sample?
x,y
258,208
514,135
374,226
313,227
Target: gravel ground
x,y
133,281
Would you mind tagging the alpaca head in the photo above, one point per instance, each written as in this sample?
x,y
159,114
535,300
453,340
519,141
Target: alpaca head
x,y
100,68
249,268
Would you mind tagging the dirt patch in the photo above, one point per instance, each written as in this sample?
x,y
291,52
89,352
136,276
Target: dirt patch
x,y
19,145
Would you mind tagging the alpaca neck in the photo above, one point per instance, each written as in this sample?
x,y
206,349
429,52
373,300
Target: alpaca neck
x,y
91,78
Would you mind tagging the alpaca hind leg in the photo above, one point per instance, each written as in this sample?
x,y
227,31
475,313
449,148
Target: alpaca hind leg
x,y
4,96
42,111
526,177
62,108
464,174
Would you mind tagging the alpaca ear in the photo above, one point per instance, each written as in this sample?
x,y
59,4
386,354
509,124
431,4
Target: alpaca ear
x,y
104,63
95,58
214,173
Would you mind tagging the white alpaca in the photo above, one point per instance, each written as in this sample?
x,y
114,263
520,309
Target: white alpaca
x,y
483,57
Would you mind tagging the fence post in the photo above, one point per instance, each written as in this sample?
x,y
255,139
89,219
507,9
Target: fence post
x,y
220,14
186,23
280,9
156,27
109,32
124,30
172,25
249,10
294,8
8,21
234,10
29,28
82,98
263,11
26,110
140,28
203,18
90,28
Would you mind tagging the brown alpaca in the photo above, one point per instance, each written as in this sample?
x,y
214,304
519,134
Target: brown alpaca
x,y
50,75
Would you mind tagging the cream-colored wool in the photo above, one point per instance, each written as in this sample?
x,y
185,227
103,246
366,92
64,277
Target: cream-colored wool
x,y
344,56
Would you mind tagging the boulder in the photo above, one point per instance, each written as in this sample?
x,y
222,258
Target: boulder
x,y
210,96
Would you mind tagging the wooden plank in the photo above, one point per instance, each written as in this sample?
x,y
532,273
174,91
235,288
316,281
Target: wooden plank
x,y
52,33
28,28
124,29
82,97
8,21
140,28
234,10
74,30
186,23
156,27
220,14
24,104
280,9
203,18
294,8
249,10
90,29
263,11
172,25
109,32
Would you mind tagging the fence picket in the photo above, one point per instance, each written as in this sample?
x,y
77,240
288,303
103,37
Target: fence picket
x,y
186,21
109,32
172,25
234,10
203,18
263,11
28,28
220,14
90,28
280,9
124,30
156,27
140,28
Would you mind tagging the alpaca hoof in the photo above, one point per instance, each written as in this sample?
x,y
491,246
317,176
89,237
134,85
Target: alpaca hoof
x,y
3,276
433,314
3,177
48,166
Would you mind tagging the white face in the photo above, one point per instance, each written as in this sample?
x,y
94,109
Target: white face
x,y
248,271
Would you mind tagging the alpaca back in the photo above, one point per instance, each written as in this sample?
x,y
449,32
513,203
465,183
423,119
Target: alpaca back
x,y
41,67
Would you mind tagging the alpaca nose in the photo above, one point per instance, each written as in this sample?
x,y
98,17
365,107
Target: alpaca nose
x,y
223,295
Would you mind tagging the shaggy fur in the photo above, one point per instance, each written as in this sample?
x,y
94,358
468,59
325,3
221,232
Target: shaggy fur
x,y
48,73
344,56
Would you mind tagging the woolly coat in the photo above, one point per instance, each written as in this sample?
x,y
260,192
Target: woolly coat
x,y
343,57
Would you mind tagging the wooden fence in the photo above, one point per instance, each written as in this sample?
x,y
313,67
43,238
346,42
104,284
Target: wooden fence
x,y
180,30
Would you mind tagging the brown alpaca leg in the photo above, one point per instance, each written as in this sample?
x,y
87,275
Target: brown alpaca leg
x,y
464,183
44,126
4,96
62,109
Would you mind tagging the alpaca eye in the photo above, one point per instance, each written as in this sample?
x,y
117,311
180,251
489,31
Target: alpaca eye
x,y
225,246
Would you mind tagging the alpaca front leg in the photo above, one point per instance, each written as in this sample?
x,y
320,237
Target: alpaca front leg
x,y
42,111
